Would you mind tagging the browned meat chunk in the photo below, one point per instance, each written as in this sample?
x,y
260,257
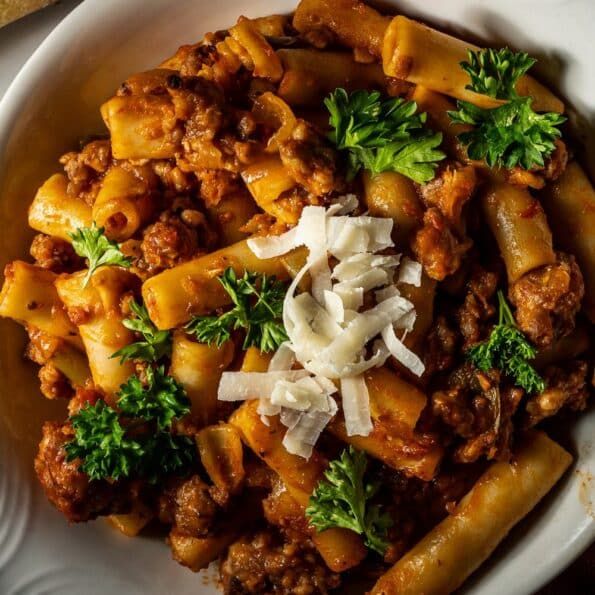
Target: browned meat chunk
x,y
547,300
41,346
441,349
54,385
310,160
264,564
452,187
173,239
566,387
188,506
437,247
479,411
216,184
55,254
477,308
67,488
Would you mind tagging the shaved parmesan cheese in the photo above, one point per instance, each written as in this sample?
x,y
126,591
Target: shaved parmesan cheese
x,y
273,246
334,306
401,353
410,272
352,298
283,359
356,406
242,386
353,235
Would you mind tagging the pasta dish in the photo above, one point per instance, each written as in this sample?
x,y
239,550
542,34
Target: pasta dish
x,y
314,303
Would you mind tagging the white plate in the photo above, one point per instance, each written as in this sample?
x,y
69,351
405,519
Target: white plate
x,y
55,100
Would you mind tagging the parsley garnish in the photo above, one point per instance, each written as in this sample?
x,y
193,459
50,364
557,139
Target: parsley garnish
x,y
511,134
258,308
161,399
100,442
383,135
92,244
155,344
342,500
134,440
508,350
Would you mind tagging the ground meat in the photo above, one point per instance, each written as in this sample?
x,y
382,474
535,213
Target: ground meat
x,y
452,187
173,239
216,184
441,347
262,563
479,411
557,162
82,398
84,169
188,506
55,254
310,160
566,387
263,224
53,383
548,299
436,246
477,309
42,346
67,488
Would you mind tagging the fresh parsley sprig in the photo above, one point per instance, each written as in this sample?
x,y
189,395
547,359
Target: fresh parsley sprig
x,y
258,309
92,244
134,440
342,499
512,134
160,398
383,135
155,345
508,350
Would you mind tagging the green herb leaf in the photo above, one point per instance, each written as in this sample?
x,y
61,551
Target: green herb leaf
x,y
155,344
101,443
512,134
508,350
258,308
166,454
509,135
91,243
160,400
342,500
383,135
495,73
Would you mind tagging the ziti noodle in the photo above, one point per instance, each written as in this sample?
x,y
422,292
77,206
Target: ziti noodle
x,y
308,300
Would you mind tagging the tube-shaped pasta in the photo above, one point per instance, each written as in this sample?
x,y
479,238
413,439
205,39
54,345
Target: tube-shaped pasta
x,y
273,25
391,194
30,297
101,328
196,286
56,213
123,204
312,74
340,548
437,107
265,62
231,214
141,126
520,227
419,54
502,496
73,364
198,367
271,111
221,453
130,524
422,298
354,23
570,205
267,180
395,407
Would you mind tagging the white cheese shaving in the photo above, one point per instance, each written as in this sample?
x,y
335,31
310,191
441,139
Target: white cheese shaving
x,y
328,335
410,272
356,406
